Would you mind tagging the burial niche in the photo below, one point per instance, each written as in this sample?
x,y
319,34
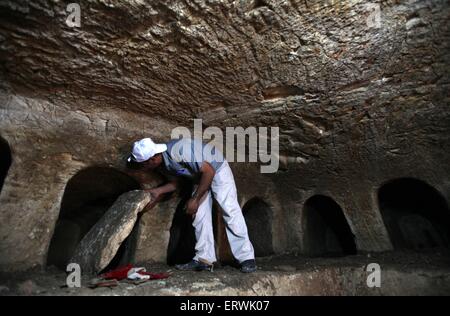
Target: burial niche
x,y
326,230
88,195
415,214
5,160
258,217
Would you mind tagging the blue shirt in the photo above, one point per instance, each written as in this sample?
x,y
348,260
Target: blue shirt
x,y
184,157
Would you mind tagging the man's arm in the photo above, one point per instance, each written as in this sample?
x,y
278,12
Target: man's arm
x,y
207,175
158,193
166,188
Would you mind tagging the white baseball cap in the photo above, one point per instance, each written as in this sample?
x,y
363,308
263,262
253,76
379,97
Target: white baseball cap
x,y
145,149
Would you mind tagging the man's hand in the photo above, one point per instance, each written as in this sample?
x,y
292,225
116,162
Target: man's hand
x,y
158,193
192,206
207,175
155,193
156,197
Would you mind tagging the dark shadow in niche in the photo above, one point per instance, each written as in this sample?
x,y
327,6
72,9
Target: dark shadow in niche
x,y
88,195
181,248
415,214
5,161
326,230
258,217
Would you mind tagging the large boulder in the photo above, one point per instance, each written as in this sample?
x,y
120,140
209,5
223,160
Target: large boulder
x,y
101,243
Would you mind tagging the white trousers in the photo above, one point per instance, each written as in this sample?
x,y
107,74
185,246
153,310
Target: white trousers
x,y
225,193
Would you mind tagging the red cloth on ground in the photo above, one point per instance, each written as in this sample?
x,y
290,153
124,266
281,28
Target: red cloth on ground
x,y
118,274
122,273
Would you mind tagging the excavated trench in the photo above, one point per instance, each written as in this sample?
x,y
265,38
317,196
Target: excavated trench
x,y
402,273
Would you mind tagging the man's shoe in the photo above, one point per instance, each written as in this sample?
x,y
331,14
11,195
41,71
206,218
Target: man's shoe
x,y
248,266
194,265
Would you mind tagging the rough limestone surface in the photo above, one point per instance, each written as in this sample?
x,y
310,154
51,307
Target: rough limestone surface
x,y
357,104
401,274
98,247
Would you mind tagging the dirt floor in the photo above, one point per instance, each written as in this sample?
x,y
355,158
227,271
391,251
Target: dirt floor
x,y
402,273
